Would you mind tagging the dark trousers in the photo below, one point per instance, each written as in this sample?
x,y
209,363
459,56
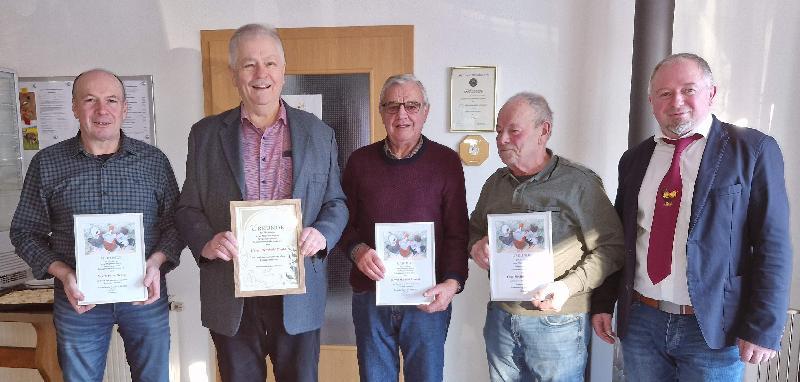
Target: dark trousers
x,y
241,358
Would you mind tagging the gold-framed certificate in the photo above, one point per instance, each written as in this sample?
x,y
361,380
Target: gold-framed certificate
x,y
473,95
109,258
269,261
408,255
520,254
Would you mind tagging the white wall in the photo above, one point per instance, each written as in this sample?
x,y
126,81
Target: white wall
x,y
754,52
576,53
752,48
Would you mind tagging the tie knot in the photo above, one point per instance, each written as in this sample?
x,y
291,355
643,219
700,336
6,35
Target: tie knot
x,y
681,143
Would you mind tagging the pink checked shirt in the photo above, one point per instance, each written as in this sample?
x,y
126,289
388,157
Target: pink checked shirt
x,y
267,158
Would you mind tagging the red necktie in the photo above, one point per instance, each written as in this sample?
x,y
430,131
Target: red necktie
x,y
665,216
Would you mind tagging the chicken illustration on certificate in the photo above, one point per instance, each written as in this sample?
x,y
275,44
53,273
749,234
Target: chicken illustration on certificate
x,y
407,253
109,258
520,254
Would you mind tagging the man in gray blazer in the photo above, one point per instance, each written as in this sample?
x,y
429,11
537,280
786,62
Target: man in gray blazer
x,y
261,150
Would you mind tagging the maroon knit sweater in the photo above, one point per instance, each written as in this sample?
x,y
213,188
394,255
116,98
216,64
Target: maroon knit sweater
x,y
429,186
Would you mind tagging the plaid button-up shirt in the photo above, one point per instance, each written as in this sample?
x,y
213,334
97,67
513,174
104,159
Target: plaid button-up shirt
x,y
64,180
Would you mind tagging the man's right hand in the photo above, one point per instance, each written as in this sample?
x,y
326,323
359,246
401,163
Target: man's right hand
x,y
66,275
222,246
369,263
480,253
601,322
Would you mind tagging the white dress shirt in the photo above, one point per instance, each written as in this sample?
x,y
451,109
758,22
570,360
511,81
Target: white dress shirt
x,y
674,287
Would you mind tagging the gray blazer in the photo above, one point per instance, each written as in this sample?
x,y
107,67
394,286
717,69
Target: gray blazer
x,y
215,176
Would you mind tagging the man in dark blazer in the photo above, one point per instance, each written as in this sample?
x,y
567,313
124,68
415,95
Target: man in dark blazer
x,y
263,149
708,259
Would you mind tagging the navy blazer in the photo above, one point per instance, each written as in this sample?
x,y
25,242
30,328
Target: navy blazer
x,y
739,255
215,176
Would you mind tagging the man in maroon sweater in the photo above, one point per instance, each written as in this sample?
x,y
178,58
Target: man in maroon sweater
x,y
404,178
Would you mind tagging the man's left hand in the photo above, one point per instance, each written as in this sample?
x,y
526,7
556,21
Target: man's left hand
x,y
752,353
152,277
311,241
551,296
442,295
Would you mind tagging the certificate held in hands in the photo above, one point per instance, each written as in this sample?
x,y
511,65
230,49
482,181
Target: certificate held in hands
x,y
520,254
408,255
109,258
269,261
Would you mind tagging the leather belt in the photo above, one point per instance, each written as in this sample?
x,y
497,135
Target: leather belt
x,y
664,306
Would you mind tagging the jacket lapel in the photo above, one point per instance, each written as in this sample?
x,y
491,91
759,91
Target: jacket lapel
x,y
229,138
300,135
638,170
713,154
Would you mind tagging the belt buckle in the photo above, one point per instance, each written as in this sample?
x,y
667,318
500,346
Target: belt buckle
x,y
672,308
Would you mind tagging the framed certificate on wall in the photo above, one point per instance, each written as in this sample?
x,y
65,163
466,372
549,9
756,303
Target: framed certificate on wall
x,y
473,95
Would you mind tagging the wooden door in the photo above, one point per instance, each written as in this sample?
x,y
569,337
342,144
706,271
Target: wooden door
x,y
380,51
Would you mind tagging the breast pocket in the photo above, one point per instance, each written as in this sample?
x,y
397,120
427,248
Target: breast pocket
x,y
561,224
722,203
732,190
555,212
314,193
716,225
140,193
73,195
553,209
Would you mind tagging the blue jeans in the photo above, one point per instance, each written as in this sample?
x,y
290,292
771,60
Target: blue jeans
x,y
82,340
535,348
381,329
659,346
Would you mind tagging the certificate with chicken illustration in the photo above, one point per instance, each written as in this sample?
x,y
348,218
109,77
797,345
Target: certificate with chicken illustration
x,y
109,258
408,256
269,261
520,254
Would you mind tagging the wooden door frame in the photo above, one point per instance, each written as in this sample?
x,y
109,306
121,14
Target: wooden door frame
x,y
402,35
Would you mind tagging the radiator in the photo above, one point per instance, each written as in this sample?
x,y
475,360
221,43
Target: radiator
x,y
786,366
117,369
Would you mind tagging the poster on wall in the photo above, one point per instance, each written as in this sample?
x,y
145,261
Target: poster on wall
x,y
311,103
46,110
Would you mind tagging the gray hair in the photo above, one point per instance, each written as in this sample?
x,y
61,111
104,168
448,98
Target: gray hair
x,y
252,30
100,70
700,61
538,103
402,79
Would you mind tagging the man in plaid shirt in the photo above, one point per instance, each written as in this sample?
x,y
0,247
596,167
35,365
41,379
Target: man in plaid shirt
x,y
100,171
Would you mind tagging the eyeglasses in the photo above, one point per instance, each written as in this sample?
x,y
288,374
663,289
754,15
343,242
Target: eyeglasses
x,y
412,107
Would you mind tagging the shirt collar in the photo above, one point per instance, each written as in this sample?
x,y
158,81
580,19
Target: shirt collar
x,y
701,128
546,172
245,116
125,145
391,155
